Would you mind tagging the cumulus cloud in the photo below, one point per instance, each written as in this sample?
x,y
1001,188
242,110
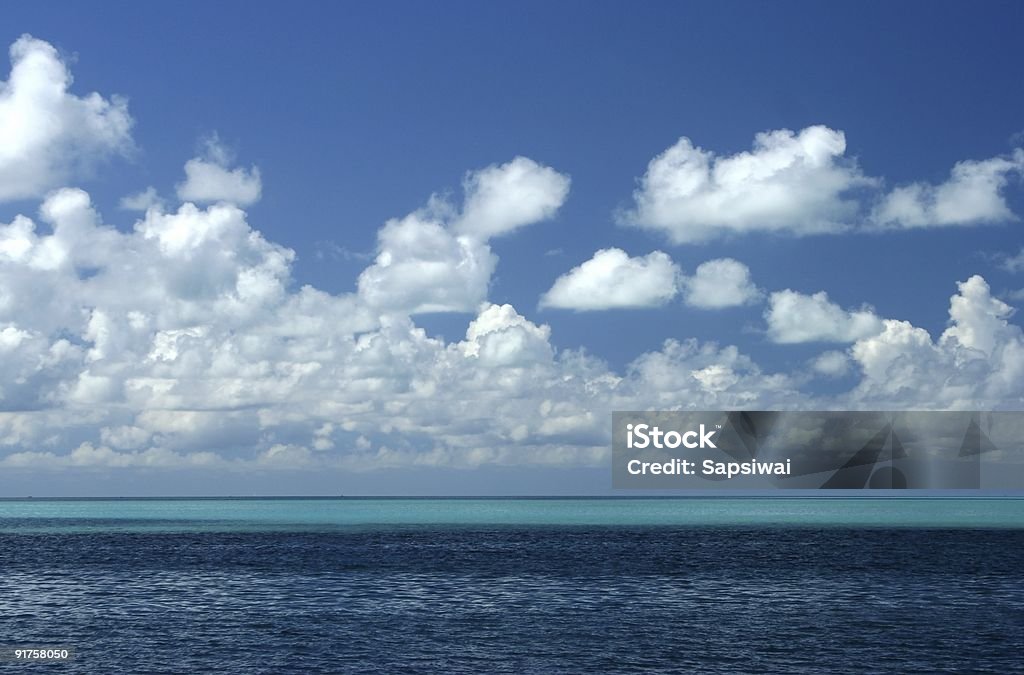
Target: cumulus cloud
x,y
141,201
182,340
422,267
978,320
831,364
499,335
210,179
47,134
802,183
613,279
795,182
501,199
700,374
973,194
720,283
181,343
794,317
437,259
977,363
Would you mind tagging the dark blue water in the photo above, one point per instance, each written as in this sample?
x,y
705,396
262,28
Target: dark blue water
x,y
520,598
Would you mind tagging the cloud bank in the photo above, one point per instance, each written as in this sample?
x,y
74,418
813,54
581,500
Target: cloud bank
x,y
183,341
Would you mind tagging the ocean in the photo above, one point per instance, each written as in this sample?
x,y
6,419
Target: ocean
x,y
719,585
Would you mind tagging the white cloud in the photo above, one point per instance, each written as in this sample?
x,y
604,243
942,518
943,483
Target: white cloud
x,y
437,259
183,341
794,182
720,283
612,279
47,133
184,336
141,201
501,199
1013,264
697,375
976,364
978,321
802,183
794,317
422,267
157,346
500,336
210,179
87,456
153,347
972,195
125,437
831,364
288,456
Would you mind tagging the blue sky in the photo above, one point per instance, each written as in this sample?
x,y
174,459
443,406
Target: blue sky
x,y
355,114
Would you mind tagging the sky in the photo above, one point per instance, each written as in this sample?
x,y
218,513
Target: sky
x,y
412,248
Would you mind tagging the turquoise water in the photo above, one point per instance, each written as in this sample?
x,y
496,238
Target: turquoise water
x,y
229,515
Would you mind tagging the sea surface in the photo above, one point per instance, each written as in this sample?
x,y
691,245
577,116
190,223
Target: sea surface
x,y
720,585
